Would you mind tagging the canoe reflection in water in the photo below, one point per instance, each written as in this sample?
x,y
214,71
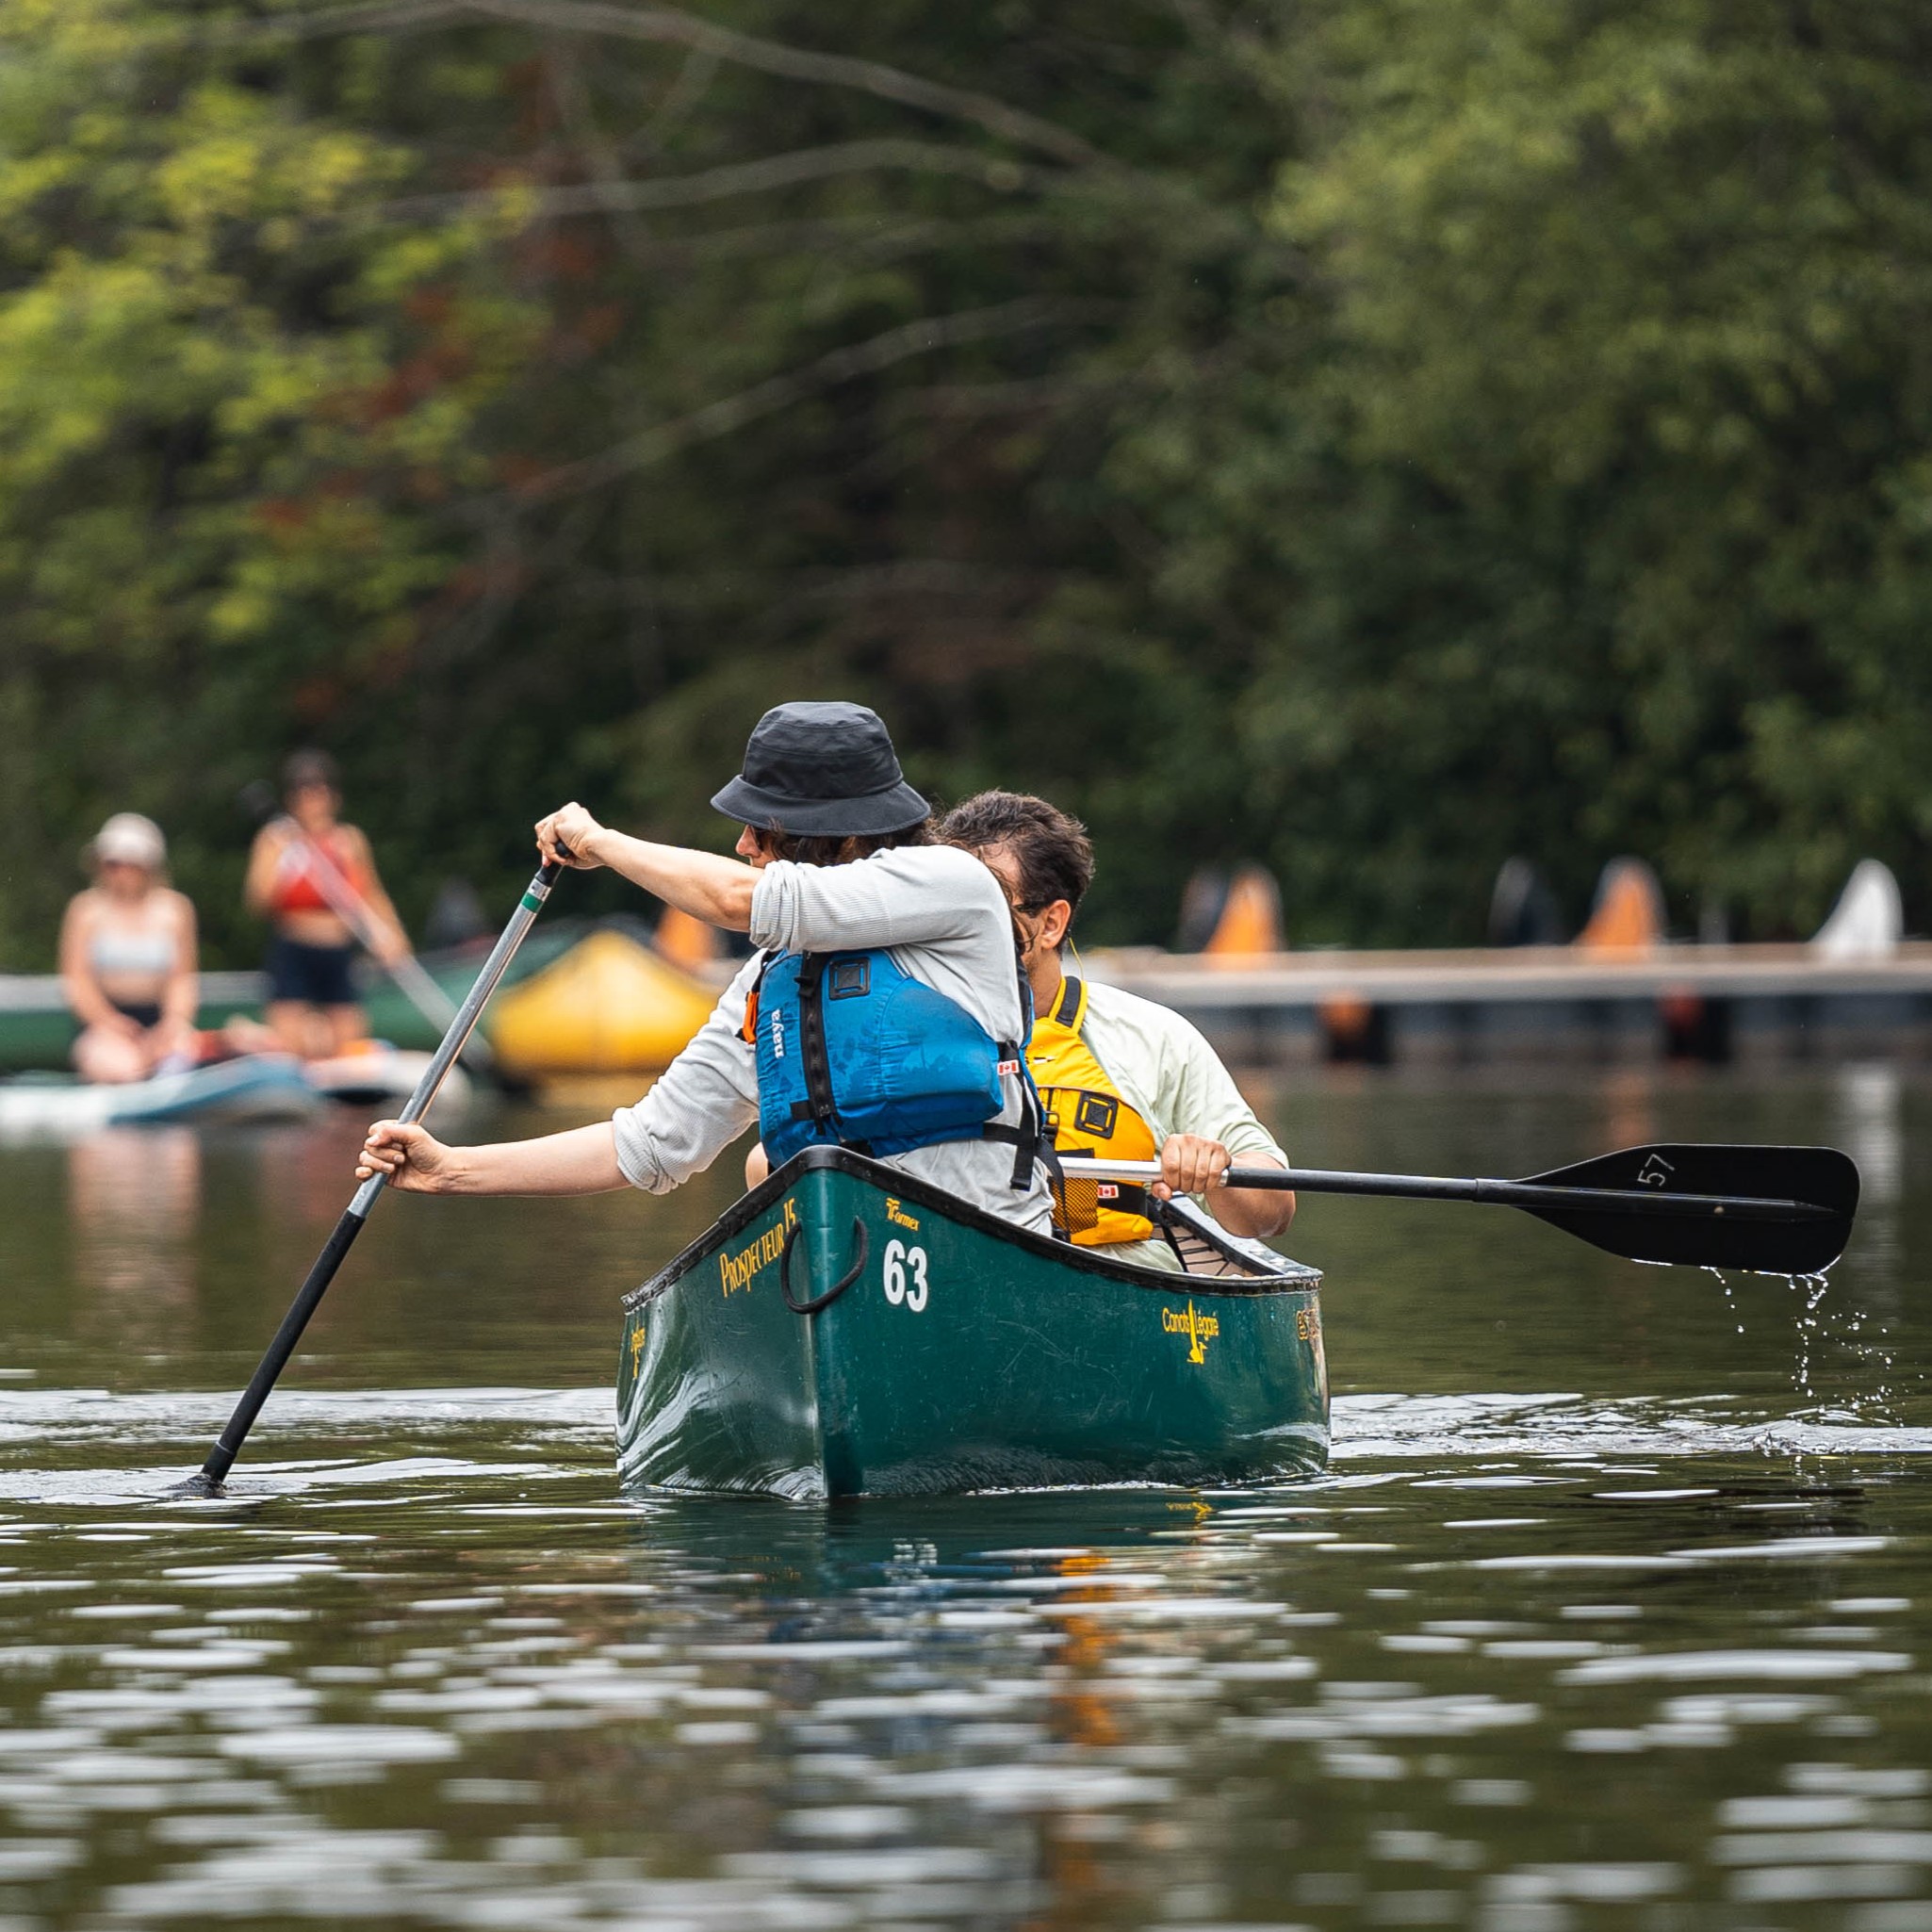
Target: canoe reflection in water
x,y
133,1202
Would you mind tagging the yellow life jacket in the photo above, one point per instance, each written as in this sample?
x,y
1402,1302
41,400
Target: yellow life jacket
x,y
1088,1116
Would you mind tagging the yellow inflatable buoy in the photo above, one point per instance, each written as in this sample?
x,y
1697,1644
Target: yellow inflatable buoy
x,y
608,1006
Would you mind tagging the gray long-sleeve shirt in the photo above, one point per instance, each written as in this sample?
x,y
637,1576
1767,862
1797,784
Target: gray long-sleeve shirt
x,y
944,917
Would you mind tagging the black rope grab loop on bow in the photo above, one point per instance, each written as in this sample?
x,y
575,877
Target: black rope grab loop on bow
x,y
836,1288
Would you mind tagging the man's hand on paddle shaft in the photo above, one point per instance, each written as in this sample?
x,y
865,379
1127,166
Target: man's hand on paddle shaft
x,y
1192,1164
1189,1164
411,1158
570,825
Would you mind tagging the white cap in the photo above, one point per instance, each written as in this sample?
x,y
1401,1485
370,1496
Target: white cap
x,y
129,839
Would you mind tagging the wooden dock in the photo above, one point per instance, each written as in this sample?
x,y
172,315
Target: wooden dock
x,y
1718,1004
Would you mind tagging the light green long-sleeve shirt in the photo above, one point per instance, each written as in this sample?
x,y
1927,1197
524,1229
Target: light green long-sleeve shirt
x,y
1169,1075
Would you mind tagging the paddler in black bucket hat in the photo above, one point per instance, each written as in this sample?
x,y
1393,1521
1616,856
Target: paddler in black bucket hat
x,y
883,1010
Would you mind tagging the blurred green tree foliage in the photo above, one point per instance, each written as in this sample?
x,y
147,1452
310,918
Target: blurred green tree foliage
x,y
1374,437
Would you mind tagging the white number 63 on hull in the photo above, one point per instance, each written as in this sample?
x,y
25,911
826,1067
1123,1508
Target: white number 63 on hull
x,y
900,1260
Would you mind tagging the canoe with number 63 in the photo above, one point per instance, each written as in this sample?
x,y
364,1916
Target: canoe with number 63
x,y
846,1330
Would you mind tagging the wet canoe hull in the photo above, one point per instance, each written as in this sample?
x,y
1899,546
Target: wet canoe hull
x,y
964,1355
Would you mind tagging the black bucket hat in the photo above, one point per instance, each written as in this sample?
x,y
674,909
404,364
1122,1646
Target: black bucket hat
x,y
822,771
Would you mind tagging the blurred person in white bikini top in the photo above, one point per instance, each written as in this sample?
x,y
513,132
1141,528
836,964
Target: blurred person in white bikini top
x,y
127,958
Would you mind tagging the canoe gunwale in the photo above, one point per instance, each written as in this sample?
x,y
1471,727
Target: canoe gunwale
x,y
1289,1278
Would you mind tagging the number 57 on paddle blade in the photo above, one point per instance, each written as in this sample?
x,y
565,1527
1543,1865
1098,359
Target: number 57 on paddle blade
x,y
1771,1210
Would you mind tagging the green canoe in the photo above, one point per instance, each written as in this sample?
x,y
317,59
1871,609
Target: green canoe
x,y
846,1330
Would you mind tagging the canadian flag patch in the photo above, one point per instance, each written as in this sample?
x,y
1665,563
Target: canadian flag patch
x,y
1105,1190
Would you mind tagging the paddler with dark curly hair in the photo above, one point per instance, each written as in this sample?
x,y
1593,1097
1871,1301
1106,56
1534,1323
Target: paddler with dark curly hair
x,y
885,1009
1120,1077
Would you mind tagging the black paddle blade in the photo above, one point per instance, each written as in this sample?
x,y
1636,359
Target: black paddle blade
x,y
1819,1178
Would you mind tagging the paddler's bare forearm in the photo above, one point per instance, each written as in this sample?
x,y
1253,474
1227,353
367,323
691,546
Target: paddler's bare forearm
x,y
258,888
581,1160
710,888
1255,1212
718,890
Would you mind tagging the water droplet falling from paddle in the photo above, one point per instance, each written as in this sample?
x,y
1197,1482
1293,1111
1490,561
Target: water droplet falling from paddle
x,y
1718,1276
1814,1287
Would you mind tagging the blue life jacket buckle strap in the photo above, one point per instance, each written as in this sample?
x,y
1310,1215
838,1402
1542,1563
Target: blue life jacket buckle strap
x,y
1034,1136
1029,1139
818,1104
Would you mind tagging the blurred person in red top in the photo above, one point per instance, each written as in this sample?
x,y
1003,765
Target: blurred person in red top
x,y
307,869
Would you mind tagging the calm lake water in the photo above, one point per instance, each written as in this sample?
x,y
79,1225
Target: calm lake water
x,y
1614,1610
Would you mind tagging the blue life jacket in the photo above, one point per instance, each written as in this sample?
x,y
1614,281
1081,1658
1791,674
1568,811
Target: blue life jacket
x,y
853,1051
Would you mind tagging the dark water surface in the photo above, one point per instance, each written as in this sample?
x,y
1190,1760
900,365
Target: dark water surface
x,y
1614,1610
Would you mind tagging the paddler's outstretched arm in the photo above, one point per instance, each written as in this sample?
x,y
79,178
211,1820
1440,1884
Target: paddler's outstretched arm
x,y
708,887
581,1160
703,1101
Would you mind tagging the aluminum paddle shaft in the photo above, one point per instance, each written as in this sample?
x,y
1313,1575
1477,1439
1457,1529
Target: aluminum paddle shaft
x,y
227,1447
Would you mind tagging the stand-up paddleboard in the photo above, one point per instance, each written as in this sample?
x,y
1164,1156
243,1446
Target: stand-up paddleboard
x,y
383,1076
263,1087
257,1088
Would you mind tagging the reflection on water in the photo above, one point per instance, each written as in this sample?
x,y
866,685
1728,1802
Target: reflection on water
x,y
1628,1105
1600,1618
1485,1688
132,1199
1871,1127
1871,1109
